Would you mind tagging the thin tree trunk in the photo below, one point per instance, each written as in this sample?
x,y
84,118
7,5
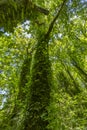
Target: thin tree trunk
x,y
23,87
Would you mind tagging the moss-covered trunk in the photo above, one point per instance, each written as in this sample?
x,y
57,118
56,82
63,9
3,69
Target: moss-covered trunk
x,y
22,93
40,88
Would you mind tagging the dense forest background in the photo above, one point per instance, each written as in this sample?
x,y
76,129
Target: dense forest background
x,y
43,65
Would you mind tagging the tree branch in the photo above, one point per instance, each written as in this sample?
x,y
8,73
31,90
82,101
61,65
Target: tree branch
x,y
54,20
16,11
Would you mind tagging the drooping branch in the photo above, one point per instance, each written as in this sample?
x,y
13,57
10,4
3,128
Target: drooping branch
x,y
27,3
13,12
76,85
55,18
81,71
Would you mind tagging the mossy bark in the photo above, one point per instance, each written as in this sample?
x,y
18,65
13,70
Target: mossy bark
x,y
23,88
40,88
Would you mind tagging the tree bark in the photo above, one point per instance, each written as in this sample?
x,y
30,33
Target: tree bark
x,y
23,90
40,88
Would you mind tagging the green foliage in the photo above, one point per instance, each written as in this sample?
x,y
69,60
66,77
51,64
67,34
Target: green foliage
x,y
43,79
66,112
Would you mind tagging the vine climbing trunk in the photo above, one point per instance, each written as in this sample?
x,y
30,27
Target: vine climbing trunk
x,y
40,88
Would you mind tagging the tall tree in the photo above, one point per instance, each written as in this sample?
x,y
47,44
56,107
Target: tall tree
x,y
68,69
41,82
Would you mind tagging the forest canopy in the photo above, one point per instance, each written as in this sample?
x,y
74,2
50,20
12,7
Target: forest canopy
x,y
43,65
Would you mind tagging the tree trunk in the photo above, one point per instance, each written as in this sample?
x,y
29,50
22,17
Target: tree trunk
x,y
40,88
41,83
23,90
